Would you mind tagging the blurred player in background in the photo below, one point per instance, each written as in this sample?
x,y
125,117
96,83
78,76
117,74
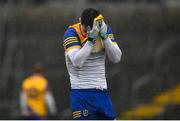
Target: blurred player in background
x,y
36,100
86,44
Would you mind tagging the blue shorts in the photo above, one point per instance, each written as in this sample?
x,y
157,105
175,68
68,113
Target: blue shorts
x,y
91,104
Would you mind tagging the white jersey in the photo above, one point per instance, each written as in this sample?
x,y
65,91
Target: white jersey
x,y
90,75
85,61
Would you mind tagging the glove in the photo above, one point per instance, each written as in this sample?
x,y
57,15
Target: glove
x,y
92,34
103,30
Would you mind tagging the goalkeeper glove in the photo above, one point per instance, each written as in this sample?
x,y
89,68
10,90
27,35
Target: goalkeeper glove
x,y
92,33
103,30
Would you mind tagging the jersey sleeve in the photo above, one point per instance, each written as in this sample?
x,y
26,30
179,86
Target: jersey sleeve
x,y
110,34
71,40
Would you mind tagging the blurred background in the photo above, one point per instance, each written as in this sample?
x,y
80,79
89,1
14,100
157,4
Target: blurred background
x,y
144,85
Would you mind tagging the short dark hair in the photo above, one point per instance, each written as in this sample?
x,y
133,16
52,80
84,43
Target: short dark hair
x,y
38,68
88,15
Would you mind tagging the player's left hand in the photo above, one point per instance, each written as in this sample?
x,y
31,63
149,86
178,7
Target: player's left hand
x,y
103,30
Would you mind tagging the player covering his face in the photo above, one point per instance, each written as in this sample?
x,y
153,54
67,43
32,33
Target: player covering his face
x,y
99,28
86,46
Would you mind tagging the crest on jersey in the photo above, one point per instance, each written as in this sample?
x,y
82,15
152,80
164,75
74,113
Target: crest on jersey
x,y
85,112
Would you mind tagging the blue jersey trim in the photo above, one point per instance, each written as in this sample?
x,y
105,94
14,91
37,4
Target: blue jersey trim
x,y
72,44
70,32
109,30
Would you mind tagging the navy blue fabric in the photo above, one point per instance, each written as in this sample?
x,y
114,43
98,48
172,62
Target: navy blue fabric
x,y
92,104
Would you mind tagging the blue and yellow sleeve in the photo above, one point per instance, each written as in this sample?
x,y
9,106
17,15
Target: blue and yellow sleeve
x,y
71,39
110,34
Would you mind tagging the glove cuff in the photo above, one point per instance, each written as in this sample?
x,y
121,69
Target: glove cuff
x,y
104,36
92,40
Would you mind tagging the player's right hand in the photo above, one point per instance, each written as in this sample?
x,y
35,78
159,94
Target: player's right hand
x,y
93,33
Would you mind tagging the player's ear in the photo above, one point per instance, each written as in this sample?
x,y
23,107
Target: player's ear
x,y
84,28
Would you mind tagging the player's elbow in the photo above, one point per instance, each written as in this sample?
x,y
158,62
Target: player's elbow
x,y
117,58
77,63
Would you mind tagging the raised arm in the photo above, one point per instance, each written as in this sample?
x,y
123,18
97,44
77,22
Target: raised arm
x,y
77,53
112,50
79,56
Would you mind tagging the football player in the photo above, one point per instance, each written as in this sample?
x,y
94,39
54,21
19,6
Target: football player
x,y
86,45
36,100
